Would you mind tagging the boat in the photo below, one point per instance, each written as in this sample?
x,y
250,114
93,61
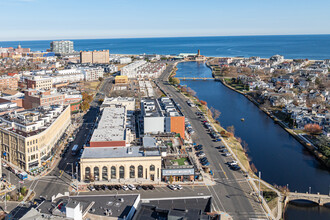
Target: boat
x,y
242,119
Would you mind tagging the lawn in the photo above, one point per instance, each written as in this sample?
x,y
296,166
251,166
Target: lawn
x,y
180,161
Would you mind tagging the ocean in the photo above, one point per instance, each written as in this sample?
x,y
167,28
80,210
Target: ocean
x,y
290,46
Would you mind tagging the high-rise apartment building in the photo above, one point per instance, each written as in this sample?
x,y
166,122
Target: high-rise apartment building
x,y
101,56
62,46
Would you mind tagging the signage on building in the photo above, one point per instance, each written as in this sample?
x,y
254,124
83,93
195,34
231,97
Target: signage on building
x,y
178,172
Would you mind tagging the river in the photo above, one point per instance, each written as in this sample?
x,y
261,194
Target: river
x,y
281,159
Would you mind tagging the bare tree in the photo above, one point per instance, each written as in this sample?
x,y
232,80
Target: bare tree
x,y
215,113
231,129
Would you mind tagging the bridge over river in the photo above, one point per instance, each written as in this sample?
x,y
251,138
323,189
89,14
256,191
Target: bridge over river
x,y
195,78
316,198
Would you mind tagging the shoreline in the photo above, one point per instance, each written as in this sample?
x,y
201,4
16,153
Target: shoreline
x,y
311,149
229,141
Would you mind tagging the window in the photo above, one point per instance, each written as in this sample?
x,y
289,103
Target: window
x,y
121,172
140,171
132,171
96,173
87,173
105,173
152,168
113,172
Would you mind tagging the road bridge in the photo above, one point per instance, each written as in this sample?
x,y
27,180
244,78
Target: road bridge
x,y
316,198
195,78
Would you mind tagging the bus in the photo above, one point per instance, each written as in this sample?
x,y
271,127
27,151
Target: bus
x,y
74,149
23,176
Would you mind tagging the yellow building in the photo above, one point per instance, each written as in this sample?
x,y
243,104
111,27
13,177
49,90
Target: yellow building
x,y
28,138
120,163
121,80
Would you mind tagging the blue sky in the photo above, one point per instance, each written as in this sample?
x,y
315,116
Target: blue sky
x,y
75,19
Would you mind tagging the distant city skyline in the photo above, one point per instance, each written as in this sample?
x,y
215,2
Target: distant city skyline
x,y
101,19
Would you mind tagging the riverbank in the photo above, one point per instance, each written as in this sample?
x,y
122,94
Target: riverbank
x,y
273,203
308,145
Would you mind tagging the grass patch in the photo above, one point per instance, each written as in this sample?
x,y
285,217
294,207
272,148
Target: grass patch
x,y
180,161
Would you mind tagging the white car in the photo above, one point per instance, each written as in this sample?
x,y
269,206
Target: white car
x,y
227,154
179,187
125,187
234,162
131,187
172,187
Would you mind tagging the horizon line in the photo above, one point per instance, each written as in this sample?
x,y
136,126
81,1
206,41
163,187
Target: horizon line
x,y
108,38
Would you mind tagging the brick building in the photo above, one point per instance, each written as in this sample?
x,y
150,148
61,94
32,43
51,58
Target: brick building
x,y
8,82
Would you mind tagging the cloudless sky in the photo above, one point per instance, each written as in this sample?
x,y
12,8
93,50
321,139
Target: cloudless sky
x,y
75,19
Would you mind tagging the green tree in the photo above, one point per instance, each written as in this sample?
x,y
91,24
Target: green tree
x,y
23,191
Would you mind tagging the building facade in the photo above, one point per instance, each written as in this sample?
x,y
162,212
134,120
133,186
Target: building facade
x,y
29,138
35,98
62,46
38,82
101,56
9,82
114,164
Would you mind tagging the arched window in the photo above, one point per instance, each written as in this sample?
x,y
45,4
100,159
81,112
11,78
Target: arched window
x,y
96,173
105,173
152,168
87,173
140,171
121,172
113,172
132,171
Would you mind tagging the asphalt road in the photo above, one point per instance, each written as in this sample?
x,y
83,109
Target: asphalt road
x,y
231,194
232,191
60,178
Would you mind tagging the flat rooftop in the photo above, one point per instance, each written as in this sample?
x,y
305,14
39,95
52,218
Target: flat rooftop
x,y
111,126
116,152
31,122
118,206
181,208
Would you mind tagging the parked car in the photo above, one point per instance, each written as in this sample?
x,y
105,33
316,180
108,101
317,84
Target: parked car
x,y
179,187
172,187
138,187
227,154
206,164
145,187
131,187
151,187
111,187
91,188
125,187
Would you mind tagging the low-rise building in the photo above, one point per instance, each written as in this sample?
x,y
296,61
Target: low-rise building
x,y
162,116
34,98
38,82
121,80
128,102
9,82
114,164
115,128
29,138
